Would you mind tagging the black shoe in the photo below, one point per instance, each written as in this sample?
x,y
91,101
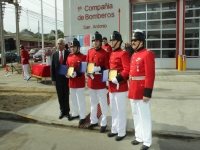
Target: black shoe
x,y
90,126
68,116
81,121
28,78
111,134
135,142
103,129
62,114
119,138
73,117
144,147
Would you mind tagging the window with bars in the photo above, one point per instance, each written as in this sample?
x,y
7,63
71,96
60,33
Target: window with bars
x,y
192,30
158,21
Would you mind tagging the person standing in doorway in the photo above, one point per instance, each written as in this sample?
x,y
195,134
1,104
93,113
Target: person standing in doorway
x,y
60,81
25,62
141,81
97,88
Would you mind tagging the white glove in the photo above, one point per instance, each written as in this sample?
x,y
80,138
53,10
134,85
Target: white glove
x,y
96,69
73,75
91,76
67,76
114,80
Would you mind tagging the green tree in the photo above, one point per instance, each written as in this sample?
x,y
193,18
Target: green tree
x,y
61,35
46,38
52,38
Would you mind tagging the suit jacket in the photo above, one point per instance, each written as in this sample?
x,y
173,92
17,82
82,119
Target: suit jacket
x,y
55,64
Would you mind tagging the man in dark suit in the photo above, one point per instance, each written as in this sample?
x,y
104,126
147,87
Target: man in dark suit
x,y
60,81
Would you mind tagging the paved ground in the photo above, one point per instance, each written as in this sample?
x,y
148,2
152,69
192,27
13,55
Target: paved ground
x,y
174,106
25,136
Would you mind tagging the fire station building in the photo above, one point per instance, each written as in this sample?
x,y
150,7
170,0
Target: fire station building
x,y
171,27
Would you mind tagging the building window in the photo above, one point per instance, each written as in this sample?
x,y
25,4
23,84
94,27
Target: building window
x,y
31,43
159,27
156,53
192,30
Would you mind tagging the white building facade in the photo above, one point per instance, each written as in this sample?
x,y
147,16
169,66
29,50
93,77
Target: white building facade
x,y
171,27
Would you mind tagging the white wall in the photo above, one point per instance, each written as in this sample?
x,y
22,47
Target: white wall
x,y
192,63
111,23
66,17
165,63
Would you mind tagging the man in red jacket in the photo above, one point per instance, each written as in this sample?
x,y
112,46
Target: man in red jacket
x,y
25,63
141,81
106,46
97,88
77,82
118,87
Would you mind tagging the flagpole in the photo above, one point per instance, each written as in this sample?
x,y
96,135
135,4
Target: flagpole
x,y
42,30
56,32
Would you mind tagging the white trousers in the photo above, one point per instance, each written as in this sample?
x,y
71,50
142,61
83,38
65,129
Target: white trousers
x,y
118,112
25,69
77,96
100,95
142,121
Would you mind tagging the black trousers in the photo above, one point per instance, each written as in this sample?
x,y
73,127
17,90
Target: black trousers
x,y
63,97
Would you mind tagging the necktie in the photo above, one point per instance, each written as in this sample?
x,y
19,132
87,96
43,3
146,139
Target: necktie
x,y
61,58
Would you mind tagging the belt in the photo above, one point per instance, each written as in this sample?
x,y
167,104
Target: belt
x,y
97,73
137,78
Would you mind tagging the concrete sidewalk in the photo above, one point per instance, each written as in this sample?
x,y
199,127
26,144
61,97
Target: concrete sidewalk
x,y
175,105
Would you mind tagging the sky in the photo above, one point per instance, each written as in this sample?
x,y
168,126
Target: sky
x,y
30,15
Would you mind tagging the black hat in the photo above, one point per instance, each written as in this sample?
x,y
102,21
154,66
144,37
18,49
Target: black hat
x,y
21,47
138,35
97,36
75,42
104,38
116,36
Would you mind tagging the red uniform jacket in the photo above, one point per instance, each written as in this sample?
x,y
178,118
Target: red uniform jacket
x,y
120,60
107,48
24,57
101,58
74,60
142,64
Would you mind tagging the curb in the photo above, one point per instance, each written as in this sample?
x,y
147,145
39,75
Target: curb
x,y
9,115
